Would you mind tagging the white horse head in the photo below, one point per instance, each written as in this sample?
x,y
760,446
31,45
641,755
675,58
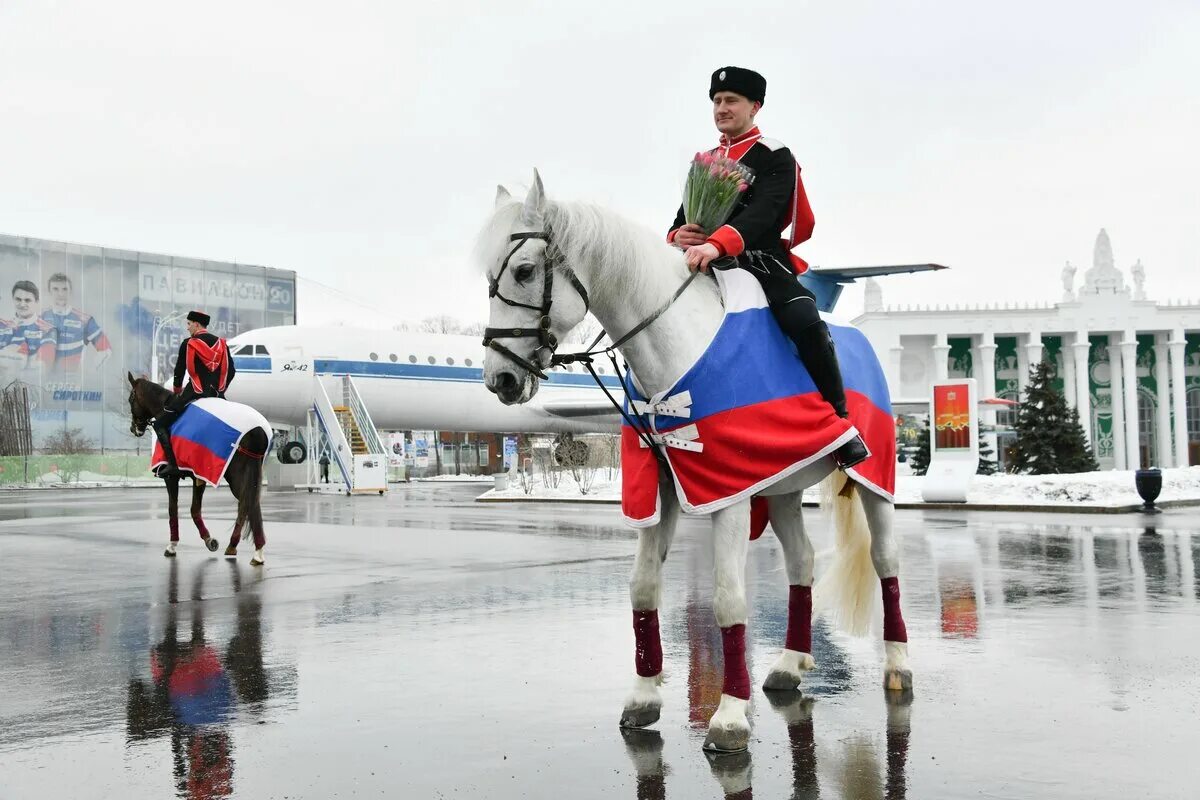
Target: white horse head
x,y
625,271
535,298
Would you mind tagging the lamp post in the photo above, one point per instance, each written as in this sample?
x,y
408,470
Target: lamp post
x,y
158,326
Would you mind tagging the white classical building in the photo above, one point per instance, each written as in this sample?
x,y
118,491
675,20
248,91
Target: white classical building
x,y
1130,365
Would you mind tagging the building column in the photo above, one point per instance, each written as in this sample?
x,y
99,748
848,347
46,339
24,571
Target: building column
x,y
987,387
895,354
1133,439
941,357
1068,363
1116,399
1033,350
1083,385
1162,402
1178,347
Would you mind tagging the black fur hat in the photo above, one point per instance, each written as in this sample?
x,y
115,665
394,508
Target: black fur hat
x,y
199,316
746,82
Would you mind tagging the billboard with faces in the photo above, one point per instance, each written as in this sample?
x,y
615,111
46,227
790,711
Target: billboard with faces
x,y
75,318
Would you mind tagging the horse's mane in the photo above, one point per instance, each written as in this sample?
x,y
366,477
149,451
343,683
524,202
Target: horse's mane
x,y
625,258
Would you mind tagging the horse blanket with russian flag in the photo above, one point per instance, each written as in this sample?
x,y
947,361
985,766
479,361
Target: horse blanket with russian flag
x,y
206,436
747,415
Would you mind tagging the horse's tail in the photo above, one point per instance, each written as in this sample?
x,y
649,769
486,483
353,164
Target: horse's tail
x,y
846,590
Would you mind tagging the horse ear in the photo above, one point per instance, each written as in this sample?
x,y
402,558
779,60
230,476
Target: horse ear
x,y
535,202
132,380
502,196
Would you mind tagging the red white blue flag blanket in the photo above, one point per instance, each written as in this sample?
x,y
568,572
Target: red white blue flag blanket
x,y
206,436
747,415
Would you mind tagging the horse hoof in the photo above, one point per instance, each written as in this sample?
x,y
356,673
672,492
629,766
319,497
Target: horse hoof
x,y
169,553
898,680
727,739
640,716
212,544
781,682
231,552
257,562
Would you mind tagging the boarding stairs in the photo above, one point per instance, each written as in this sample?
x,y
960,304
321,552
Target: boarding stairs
x,y
347,435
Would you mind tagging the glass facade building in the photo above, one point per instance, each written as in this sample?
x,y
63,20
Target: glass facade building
x,y
75,318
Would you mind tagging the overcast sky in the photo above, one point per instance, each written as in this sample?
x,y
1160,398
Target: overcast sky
x,y
359,143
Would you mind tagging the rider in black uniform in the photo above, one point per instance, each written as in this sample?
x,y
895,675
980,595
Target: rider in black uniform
x,y
751,240
204,358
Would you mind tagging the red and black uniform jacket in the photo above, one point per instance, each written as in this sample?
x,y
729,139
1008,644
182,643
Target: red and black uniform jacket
x,y
775,201
205,359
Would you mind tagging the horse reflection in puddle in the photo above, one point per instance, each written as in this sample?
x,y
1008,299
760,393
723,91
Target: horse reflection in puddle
x,y
194,689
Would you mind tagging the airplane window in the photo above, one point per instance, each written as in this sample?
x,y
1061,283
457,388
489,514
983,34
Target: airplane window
x,y
412,359
467,362
450,361
244,350
393,358
432,360
602,370
261,350
374,356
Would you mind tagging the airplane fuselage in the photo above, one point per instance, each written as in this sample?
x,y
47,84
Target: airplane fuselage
x,y
408,381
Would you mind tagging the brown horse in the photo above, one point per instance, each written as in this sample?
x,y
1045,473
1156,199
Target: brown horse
x,y
244,475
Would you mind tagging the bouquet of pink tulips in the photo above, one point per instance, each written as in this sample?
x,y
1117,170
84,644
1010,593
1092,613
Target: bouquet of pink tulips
x,y
714,184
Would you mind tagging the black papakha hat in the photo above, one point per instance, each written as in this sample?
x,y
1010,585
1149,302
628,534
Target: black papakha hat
x,y
199,316
746,82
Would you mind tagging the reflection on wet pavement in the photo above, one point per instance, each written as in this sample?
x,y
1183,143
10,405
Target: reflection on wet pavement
x,y
421,645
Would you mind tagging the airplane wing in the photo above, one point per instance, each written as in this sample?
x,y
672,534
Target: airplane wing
x,y
827,282
580,408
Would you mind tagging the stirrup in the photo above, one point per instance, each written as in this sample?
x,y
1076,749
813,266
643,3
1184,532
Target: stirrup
x,y
851,453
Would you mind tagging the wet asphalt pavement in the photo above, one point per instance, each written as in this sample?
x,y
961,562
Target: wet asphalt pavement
x,y
421,645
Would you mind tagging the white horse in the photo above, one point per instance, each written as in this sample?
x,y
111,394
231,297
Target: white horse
x,y
545,260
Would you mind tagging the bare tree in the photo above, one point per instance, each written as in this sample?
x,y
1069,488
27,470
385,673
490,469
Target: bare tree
x,y
442,323
71,448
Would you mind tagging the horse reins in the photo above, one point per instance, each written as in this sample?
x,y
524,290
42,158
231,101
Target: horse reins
x,y
548,341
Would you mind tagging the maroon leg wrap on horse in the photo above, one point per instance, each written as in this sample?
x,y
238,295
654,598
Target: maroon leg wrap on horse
x,y
648,647
737,677
174,523
799,629
200,525
893,620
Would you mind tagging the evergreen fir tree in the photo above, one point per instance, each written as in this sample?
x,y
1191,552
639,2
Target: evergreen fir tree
x,y
1050,439
919,458
987,464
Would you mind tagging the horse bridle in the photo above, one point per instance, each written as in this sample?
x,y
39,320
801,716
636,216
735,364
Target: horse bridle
x,y
546,339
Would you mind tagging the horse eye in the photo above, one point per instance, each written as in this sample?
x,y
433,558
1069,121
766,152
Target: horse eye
x,y
523,273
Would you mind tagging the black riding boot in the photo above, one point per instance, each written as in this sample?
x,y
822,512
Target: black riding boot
x,y
163,431
816,348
